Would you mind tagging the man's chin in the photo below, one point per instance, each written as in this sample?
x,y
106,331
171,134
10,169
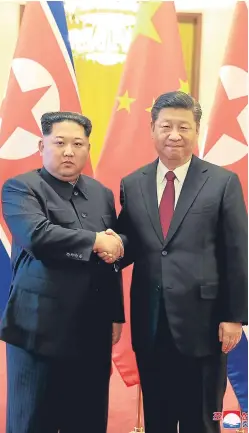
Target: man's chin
x,y
68,175
175,155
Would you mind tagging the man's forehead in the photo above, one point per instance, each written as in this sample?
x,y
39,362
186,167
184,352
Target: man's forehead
x,y
66,128
180,114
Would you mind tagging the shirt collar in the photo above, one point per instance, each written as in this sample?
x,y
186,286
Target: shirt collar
x,y
180,172
64,189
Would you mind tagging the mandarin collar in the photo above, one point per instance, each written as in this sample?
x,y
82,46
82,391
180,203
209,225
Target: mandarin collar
x,y
64,189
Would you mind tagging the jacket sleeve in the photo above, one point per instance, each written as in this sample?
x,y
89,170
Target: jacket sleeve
x,y
32,231
233,250
118,314
124,230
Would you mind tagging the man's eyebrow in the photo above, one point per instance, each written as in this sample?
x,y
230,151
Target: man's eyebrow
x,y
75,138
179,121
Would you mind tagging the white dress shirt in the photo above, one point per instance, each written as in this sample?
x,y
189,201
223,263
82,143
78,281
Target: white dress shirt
x,y
180,173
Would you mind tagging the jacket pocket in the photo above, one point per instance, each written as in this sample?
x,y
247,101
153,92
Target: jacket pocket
x,y
198,209
35,312
209,291
108,221
61,216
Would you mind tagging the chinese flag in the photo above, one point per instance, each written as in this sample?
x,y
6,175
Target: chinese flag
x,y
154,65
41,79
226,145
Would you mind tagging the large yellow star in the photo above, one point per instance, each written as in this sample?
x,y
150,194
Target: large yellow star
x,y
150,108
184,86
144,25
125,101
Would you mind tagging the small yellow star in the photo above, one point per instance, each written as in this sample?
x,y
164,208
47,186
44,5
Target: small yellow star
x,y
184,86
150,108
125,101
144,25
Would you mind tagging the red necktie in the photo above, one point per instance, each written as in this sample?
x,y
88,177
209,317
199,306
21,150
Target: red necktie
x,y
166,208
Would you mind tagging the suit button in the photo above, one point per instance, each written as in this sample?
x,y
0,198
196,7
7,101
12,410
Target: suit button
x,y
84,215
164,253
75,192
157,288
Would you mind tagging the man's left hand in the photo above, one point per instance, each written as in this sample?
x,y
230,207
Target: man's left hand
x,y
229,335
116,332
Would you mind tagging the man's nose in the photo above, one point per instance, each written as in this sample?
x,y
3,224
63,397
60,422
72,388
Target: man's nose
x,y
68,151
174,135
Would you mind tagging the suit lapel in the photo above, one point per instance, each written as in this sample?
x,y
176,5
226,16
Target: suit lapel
x,y
196,177
149,193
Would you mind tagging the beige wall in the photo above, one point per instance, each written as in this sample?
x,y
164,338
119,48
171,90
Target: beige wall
x,y
215,27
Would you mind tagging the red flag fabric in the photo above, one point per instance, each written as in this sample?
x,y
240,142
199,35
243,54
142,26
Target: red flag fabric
x,y
41,79
226,141
154,65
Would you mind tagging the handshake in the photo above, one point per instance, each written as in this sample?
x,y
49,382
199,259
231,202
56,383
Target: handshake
x,y
109,246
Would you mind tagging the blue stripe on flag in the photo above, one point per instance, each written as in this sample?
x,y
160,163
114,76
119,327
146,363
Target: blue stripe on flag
x,y
5,277
238,372
58,11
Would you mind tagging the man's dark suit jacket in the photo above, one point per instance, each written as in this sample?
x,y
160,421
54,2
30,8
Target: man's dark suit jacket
x,y
60,291
200,269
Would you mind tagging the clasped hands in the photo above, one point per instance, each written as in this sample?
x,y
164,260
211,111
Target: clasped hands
x,y
109,246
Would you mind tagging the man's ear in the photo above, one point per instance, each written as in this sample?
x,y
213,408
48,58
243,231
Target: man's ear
x,y
152,128
41,146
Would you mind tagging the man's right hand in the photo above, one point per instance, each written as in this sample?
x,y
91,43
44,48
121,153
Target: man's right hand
x,y
108,247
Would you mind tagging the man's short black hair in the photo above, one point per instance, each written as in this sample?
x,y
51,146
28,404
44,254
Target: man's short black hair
x,y
48,119
176,99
